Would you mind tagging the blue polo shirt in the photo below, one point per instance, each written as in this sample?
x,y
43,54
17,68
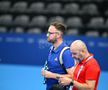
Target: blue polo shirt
x,y
54,64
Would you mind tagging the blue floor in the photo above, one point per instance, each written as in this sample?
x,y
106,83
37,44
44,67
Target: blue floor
x,y
16,77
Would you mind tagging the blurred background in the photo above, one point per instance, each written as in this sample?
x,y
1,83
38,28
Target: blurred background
x,y
23,41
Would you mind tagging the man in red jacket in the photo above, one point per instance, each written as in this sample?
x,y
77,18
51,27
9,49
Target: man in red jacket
x,y
87,70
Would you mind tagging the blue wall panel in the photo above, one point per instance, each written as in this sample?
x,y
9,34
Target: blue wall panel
x,y
29,49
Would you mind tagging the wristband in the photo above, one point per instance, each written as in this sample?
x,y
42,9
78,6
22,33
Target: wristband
x,y
71,83
57,78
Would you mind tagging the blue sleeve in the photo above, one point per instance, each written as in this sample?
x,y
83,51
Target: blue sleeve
x,y
68,61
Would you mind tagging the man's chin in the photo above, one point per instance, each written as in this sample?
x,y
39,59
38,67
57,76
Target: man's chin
x,y
77,60
50,41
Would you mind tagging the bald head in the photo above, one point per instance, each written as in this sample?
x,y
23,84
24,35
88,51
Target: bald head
x,y
79,50
79,45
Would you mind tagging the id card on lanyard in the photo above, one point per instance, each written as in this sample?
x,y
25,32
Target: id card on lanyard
x,y
81,67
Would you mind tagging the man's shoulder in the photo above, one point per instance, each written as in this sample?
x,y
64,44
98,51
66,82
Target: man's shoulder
x,y
93,62
66,49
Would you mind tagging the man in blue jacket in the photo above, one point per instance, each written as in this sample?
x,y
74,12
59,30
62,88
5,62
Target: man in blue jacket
x,y
55,69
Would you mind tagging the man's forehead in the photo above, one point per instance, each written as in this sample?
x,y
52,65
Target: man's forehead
x,y
52,27
74,47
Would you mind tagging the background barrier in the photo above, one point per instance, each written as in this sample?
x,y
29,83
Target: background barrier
x,y
29,49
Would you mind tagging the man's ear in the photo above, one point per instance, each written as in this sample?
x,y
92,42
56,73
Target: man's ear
x,y
82,51
59,35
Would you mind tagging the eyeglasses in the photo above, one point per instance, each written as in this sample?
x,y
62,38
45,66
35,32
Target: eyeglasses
x,y
49,33
52,32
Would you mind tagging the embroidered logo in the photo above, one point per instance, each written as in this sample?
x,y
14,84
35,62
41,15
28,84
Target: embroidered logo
x,y
56,59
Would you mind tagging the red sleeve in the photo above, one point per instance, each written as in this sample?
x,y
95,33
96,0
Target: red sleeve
x,y
92,72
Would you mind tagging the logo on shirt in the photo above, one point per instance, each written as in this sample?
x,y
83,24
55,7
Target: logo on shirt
x,y
56,59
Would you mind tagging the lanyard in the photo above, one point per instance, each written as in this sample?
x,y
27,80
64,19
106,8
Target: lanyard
x,y
81,67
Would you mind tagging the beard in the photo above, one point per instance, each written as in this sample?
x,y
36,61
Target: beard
x,y
78,59
52,40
